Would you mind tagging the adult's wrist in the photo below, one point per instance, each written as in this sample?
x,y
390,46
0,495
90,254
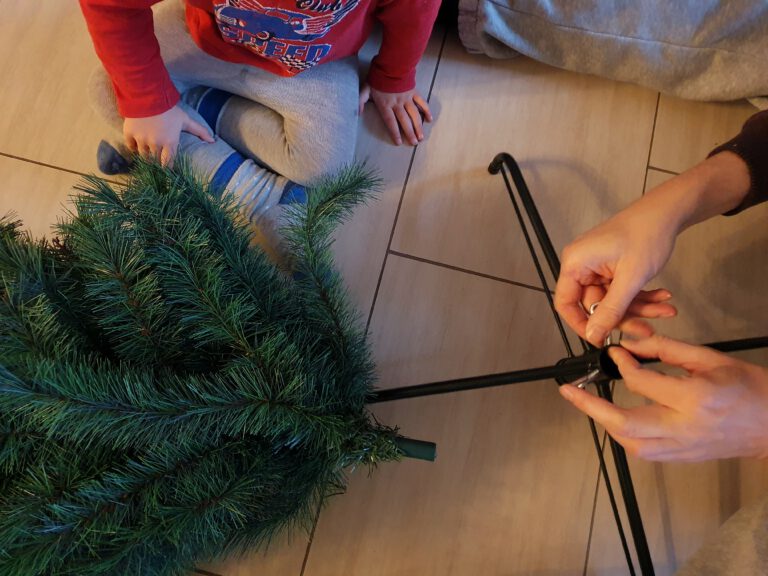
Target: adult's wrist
x,y
713,187
723,181
669,207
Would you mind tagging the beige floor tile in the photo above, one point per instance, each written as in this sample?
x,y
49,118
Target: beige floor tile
x,y
512,488
682,504
36,194
362,242
582,142
686,131
46,58
717,274
284,558
656,178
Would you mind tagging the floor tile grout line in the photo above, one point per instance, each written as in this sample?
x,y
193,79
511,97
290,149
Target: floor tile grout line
x,y
464,270
206,572
383,266
648,167
311,539
650,146
52,166
378,284
402,192
671,172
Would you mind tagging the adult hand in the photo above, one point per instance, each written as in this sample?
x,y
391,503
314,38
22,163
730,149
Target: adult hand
x,y
718,409
610,264
401,111
158,136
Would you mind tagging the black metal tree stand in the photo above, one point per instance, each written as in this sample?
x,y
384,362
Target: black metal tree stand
x,y
593,361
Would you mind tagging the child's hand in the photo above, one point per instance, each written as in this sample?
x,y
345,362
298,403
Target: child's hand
x,y
158,136
401,111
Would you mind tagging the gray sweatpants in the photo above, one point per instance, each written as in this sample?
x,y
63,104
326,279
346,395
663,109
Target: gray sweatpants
x,y
740,547
694,49
302,127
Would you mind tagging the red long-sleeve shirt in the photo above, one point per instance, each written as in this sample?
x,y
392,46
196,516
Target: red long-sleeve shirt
x,y
282,36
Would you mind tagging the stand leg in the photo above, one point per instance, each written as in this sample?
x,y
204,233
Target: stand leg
x,y
550,254
628,493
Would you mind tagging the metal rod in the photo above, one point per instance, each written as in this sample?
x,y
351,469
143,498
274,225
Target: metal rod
x,y
628,494
570,370
505,159
620,461
537,264
611,497
475,382
741,345
550,254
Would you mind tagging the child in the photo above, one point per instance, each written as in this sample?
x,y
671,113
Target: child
x,y
276,80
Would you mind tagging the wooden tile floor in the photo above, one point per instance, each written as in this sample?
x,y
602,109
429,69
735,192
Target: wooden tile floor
x,y
439,270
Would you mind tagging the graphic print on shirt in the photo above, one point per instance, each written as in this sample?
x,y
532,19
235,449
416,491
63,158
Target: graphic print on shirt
x,y
279,34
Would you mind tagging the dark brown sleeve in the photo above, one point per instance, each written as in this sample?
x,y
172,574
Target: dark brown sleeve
x,y
751,145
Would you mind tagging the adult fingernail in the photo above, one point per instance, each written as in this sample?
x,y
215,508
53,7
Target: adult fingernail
x,y
566,392
614,352
594,333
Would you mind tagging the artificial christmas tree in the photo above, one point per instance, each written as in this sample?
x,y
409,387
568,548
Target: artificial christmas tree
x,y
167,394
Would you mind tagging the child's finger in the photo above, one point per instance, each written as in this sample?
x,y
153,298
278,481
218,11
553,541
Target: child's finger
x,y
166,157
424,106
406,125
131,143
415,116
391,123
365,95
198,130
173,149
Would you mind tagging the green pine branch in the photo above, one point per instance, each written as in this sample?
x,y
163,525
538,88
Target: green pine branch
x,y
323,295
168,394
